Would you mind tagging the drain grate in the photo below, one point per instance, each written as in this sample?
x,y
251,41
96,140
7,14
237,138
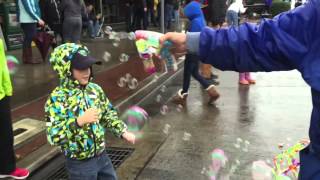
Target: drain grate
x,y
116,154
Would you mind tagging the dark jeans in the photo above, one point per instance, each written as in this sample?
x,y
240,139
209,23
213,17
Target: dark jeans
x,y
7,156
29,31
93,28
72,28
168,15
99,167
191,68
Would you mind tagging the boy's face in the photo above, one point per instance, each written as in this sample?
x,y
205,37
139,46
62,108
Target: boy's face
x,y
82,75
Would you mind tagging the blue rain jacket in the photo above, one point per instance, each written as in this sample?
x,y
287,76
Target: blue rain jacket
x,y
289,41
193,12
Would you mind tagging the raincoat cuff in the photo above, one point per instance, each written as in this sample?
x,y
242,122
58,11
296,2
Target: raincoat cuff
x,y
193,39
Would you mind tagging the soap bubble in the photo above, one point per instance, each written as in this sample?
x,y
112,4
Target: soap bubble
x,y
106,56
123,57
12,63
133,84
166,129
163,88
164,110
261,171
218,160
122,82
135,118
131,36
115,44
186,136
179,108
158,98
108,30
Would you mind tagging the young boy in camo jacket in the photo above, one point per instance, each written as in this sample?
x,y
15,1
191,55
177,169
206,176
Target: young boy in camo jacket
x,y
77,113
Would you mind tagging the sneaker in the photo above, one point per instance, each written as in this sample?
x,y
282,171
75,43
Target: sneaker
x,y
180,98
213,94
18,173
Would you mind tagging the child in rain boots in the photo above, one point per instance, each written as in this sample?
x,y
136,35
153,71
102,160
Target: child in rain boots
x,y
246,79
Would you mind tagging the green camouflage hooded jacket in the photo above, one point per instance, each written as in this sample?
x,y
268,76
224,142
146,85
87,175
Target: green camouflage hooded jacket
x,y
69,101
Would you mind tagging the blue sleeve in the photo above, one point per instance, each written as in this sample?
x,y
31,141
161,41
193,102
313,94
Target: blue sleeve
x,y
276,44
31,9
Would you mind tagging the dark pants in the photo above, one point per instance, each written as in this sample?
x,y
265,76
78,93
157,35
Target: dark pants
x,y
7,156
310,156
168,15
72,28
140,16
191,68
99,167
29,31
152,16
130,18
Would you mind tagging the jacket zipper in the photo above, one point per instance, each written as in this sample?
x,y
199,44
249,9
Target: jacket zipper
x,y
94,136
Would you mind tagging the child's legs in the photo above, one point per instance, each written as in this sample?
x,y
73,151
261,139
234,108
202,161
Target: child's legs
x,y
82,170
195,73
107,171
188,67
242,76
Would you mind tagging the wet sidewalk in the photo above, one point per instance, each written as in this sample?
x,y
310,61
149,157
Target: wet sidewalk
x,y
247,122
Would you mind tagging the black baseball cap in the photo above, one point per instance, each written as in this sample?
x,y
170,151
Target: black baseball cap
x,y
83,61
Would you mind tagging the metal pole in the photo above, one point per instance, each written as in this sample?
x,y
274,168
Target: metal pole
x,y
101,8
162,16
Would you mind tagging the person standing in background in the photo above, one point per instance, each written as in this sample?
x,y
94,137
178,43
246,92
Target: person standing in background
x,y
28,14
151,12
215,19
72,11
168,10
129,15
51,15
8,167
140,11
233,19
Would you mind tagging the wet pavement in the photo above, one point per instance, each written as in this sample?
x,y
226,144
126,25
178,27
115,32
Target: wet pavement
x,y
275,110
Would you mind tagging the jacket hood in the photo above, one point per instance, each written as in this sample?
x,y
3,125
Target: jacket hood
x,y
193,10
60,60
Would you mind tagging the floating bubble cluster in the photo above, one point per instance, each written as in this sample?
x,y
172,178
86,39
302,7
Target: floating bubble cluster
x,y
128,81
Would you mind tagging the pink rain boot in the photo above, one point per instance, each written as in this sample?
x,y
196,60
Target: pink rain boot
x,y
242,79
249,78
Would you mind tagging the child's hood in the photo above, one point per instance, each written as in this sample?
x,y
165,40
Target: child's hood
x,y
193,10
60,58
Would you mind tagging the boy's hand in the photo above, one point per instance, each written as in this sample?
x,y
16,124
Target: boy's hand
x,y
91,115
179,41
130,137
